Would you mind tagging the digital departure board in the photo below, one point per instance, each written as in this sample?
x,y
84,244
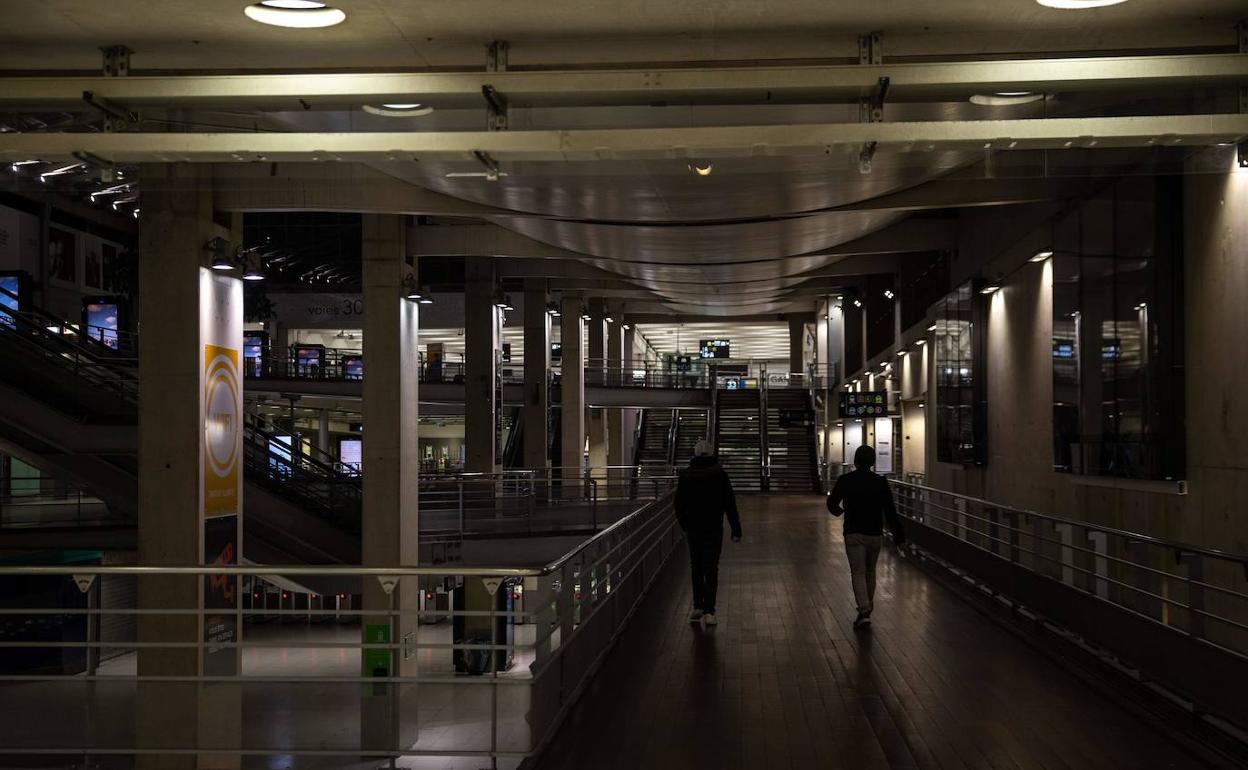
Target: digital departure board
x,y
714,349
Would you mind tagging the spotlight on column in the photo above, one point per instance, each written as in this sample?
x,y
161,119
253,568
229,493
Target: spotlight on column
x,y
1243,154
410,290
626,327
585,316
507,306
888,294
426,296
609,320
991,288
222,255
1041,255
552,309
857,303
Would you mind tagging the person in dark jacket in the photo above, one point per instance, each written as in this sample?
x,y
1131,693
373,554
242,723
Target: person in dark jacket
x,y
703,497
867,503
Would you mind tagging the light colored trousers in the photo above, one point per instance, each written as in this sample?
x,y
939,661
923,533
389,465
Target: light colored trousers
x,y
863,551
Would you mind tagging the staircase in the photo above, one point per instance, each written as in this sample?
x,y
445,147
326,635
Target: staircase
x,y
791,442
738,438
690,428
654,450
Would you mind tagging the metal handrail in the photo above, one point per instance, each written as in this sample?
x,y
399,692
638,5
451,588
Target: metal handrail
x,y
335,570
1135,536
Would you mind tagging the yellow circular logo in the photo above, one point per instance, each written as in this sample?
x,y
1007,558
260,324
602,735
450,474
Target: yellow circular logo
x,y
222,421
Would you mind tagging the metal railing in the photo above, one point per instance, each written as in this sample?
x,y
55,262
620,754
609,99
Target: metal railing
x,y
497,655
40,501
1178,612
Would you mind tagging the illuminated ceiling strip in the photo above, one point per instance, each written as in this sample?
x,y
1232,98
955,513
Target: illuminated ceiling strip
x,y
635,143
917,81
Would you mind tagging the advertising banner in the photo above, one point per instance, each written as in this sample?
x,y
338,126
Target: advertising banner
x,y
221,468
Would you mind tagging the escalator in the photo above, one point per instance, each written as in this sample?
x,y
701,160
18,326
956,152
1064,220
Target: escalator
x,y
791,442
690,428
654,447
69,406
739,439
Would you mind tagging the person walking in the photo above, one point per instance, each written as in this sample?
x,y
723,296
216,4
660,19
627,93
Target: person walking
x,y
867,502
703,498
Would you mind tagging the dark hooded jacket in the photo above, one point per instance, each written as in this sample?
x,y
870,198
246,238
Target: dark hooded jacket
x,y
703,497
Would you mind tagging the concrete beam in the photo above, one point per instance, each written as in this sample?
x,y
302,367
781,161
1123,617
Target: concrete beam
x,y
630,144
912,81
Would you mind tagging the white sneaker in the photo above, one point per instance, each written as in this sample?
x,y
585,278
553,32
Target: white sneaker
x,y
695,616
709,619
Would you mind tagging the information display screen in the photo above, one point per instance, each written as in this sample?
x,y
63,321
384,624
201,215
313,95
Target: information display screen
x,y
310,360
556,351
353,367
871,403
714,349
253,352
101,320
351,455
10,298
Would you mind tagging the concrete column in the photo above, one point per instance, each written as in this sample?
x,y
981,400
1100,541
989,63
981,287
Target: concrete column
x,y
597,376
391,462
616,375
536,368
322,432
189,501
797,343
481,333
572,388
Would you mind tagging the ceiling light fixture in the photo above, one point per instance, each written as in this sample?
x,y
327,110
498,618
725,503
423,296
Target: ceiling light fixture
x,y
990,289
222,262
1078,5
702,167
888,294
857,303
932,328
297,14
1041,255
404,110
1006,98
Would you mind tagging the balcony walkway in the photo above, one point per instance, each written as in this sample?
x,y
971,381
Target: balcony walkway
x,y
785,682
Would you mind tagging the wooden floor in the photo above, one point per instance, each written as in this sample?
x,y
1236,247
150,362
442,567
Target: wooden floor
x,y
785,682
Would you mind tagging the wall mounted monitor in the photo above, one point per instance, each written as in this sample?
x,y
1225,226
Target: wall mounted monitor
x,y
714,349
556,351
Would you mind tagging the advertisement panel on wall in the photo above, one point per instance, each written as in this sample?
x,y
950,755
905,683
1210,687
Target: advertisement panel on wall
x,y
883,445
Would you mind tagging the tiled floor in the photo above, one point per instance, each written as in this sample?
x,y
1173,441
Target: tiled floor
x,y
785,682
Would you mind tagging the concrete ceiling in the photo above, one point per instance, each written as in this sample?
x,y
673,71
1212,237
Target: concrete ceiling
x,y
214,34
736,242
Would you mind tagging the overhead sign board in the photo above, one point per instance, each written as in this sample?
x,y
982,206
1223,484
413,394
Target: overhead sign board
x,y
868,403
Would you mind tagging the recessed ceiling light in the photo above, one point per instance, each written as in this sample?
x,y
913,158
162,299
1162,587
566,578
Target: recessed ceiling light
x,y
702,167
300,14
1078,5
1006,98
402,110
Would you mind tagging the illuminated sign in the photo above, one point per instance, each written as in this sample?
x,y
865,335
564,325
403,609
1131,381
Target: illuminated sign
x,y
714,349
351,455
871,403
222,430
1063,348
